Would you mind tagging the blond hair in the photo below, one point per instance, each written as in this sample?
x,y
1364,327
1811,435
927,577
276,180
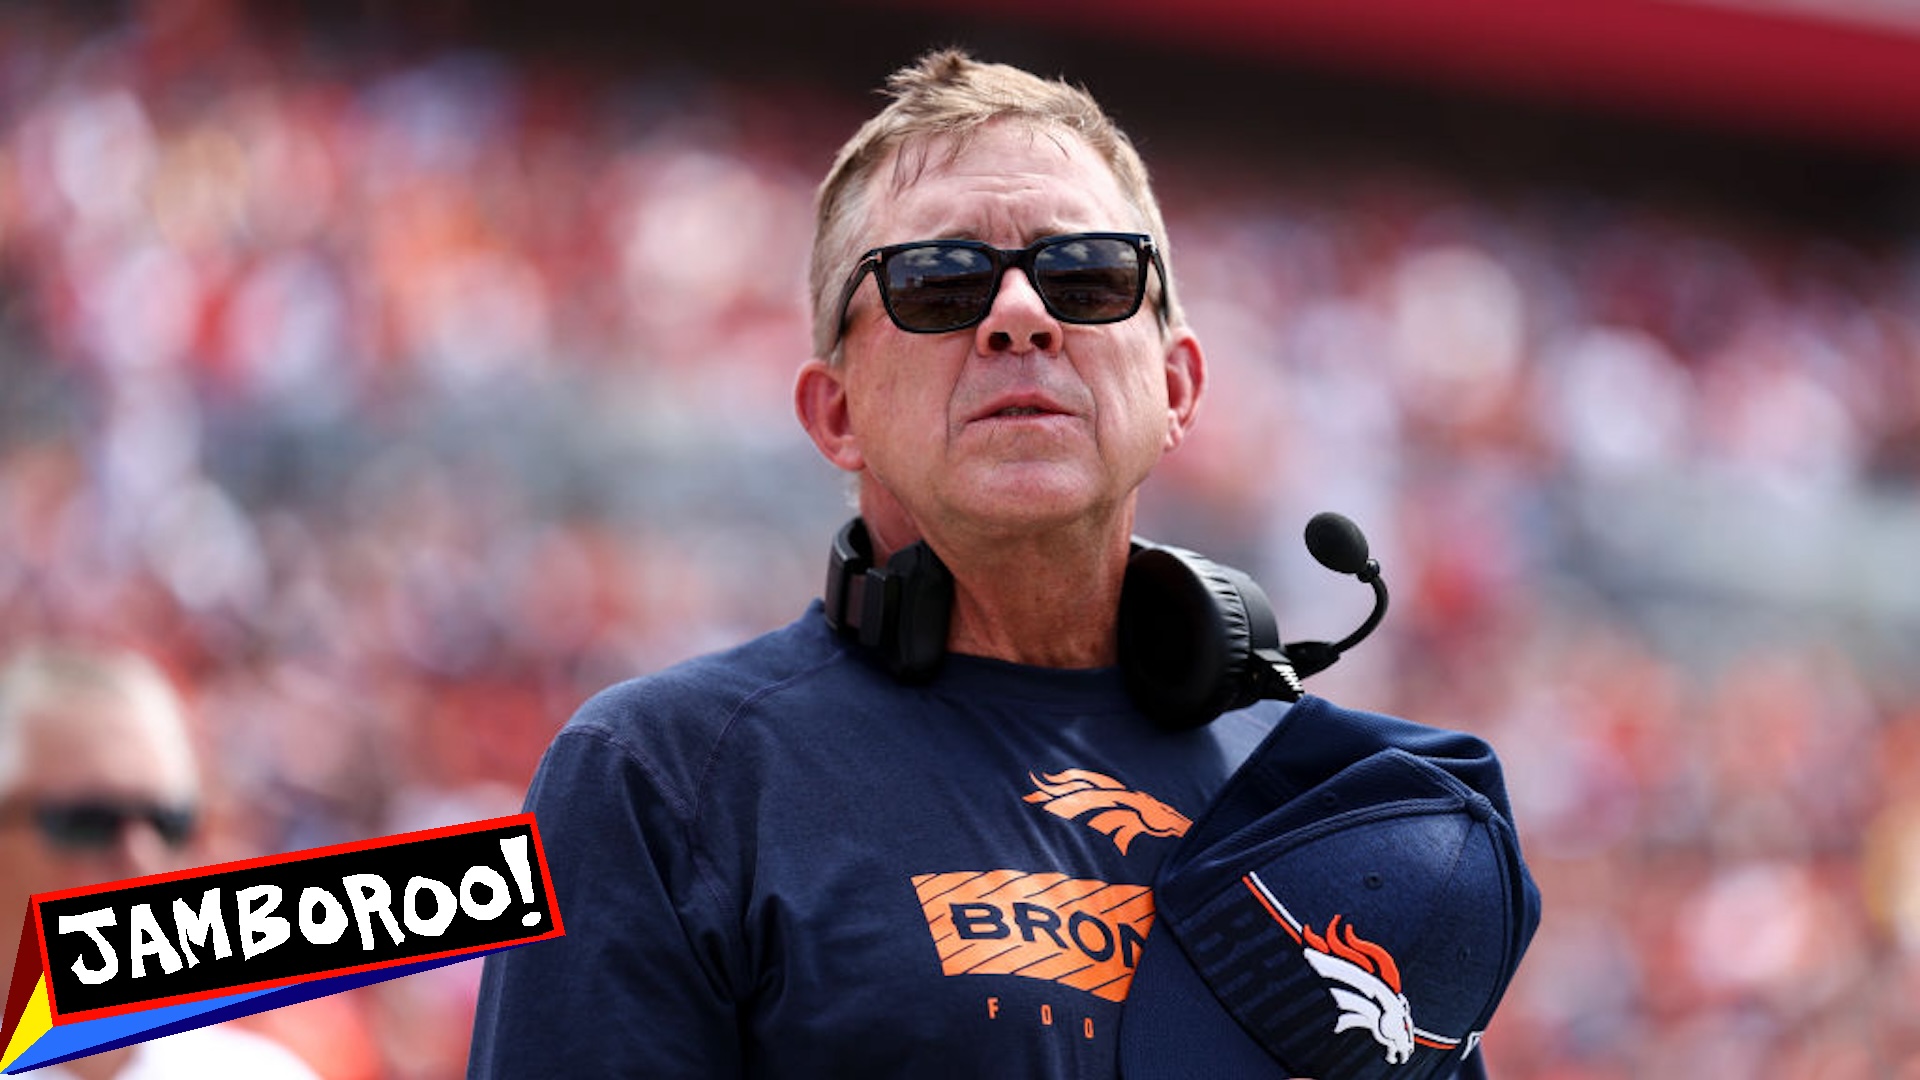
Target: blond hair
x,y
45,677
949,94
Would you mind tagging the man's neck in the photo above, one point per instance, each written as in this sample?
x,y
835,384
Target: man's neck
x,y
1050,601
1046,596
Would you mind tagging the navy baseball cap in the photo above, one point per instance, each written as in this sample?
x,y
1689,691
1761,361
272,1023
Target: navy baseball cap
x,y
1352,906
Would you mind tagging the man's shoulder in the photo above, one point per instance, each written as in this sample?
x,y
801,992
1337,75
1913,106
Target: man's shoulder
x,y
668,731
1316,720
698,697
1317,738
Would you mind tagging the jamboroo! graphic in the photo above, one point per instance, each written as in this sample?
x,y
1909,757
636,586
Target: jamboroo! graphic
x,y
107,965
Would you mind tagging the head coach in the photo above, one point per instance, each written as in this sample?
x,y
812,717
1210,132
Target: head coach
x,y
916,832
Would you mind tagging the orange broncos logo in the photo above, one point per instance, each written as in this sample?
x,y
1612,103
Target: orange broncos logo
x,y
1116,812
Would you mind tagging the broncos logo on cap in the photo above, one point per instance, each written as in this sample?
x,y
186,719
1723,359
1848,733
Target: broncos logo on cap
x,y
1363,978
1108,806
1368,987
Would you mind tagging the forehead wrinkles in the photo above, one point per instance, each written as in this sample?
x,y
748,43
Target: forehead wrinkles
x,y
943,150
1053,191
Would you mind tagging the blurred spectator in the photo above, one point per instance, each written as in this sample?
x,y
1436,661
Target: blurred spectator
x,y
97,784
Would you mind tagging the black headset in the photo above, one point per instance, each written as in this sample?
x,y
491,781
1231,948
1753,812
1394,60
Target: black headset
x,y
1196,638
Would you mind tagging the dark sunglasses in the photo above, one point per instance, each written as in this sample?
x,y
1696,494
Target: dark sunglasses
x,y
933,286
95,824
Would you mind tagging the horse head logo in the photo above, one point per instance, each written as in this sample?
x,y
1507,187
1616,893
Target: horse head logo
x,y
1365,984
1107,805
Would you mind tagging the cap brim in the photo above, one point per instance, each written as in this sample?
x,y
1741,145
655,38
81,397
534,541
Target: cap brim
x,y
1173,1028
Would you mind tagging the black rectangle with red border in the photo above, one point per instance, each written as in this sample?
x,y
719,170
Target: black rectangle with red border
x,y
306,915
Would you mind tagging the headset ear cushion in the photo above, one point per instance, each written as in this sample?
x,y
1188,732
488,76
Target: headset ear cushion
x,y
1188,630
918,589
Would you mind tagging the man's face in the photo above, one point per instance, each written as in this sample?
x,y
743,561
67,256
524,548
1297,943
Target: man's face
x,y
103,752
1021,421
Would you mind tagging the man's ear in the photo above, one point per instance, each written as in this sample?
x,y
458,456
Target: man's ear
x,y
1186,384
820,401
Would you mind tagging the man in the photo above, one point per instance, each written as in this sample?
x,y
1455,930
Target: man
x,y
814,857
97,784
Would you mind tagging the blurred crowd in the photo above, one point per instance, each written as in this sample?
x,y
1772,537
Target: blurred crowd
x,y
396,400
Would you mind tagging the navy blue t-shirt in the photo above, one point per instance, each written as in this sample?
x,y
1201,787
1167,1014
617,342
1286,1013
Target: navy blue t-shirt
x,y
777,861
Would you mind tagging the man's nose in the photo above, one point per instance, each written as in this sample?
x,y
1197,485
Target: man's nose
x,y
139,850
1018,321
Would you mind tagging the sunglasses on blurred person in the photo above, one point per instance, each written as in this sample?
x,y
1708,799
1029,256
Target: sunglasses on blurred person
x,y
82,826
935,286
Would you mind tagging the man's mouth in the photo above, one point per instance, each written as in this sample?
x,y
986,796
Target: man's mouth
x,y
1024,405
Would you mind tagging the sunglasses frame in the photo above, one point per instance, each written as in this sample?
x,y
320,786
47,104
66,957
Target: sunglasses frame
x,y
1001,260
61,822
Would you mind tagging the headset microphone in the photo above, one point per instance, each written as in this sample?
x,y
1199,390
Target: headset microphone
x,y
1341,547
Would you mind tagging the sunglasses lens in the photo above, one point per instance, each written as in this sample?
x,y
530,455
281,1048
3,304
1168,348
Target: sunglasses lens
x,y
1090,279
175,825
96,826
83,827
944,285
934,287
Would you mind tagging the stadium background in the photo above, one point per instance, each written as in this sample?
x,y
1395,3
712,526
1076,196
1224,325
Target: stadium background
x,y
402,373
